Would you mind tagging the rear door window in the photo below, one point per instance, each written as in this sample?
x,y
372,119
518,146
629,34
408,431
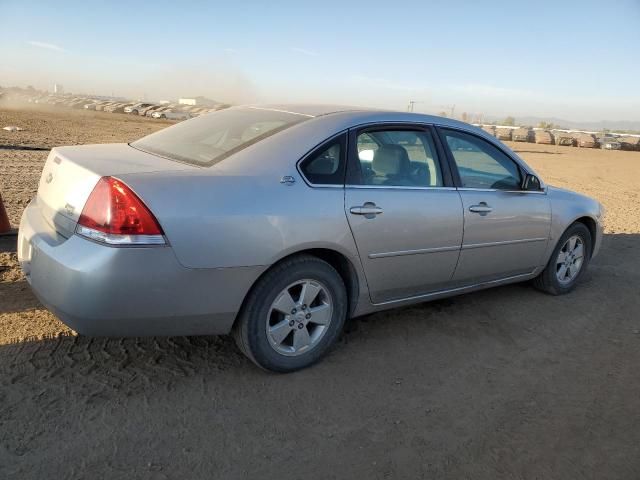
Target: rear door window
x,y
398,158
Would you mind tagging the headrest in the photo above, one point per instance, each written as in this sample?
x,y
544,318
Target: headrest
x,y
390,160
322,166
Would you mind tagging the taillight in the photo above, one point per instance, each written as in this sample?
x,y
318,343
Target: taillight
x,y
115,215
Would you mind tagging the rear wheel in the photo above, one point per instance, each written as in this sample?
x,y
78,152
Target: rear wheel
x,y
568,261
293,315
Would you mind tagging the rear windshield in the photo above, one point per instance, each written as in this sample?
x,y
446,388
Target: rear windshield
x,y
208,139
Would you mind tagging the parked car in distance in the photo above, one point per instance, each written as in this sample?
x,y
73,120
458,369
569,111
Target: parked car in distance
x,y
610,143
586,140
188,108
162,108
564,139
136,107
278,223
172,114
629,142
117,107
80,103
101,106
151,108
94,105
522,134
113,106
543,137
490,129
504,133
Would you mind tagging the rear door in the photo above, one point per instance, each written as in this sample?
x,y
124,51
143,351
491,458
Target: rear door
x,y
506,229
404,213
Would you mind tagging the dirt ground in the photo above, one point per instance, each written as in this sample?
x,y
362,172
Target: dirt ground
x,y
504,383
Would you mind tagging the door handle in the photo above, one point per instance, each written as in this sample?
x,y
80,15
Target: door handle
x,y
369,210
482,208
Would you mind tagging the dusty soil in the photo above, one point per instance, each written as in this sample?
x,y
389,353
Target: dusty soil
x,y
504,383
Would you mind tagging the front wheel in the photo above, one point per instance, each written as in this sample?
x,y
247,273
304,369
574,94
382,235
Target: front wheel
x,y
568,261
293,315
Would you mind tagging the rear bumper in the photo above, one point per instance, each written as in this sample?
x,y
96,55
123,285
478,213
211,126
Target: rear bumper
x,y
113,291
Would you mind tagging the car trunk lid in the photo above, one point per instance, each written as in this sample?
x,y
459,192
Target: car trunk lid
x,y
71,173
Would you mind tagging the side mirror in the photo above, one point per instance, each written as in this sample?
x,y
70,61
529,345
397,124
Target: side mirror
x,y
531,183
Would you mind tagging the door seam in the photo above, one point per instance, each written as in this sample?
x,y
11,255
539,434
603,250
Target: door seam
x,y
453,273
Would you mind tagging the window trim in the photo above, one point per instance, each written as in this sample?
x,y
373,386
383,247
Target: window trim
x,y
454,167
353,161
322,146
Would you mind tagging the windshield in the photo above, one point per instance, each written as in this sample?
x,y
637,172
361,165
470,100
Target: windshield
x,y
208,139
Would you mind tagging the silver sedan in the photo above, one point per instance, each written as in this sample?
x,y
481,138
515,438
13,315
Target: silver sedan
x,y
278,223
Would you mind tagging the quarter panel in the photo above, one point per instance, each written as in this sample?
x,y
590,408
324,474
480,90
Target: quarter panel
x,y
217,221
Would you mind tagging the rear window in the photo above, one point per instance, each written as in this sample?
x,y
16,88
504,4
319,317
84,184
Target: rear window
x,y
211,138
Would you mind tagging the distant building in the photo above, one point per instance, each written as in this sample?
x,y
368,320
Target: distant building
x,y
58,89
199,101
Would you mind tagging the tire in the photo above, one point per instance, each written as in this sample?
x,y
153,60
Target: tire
x,y
263,310
548,281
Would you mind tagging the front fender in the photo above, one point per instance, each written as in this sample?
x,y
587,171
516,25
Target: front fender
x,y
566,208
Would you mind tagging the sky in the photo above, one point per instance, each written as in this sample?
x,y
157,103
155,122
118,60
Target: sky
x,y
577,60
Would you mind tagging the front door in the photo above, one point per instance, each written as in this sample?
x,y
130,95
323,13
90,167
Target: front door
x,y
506,229
405,216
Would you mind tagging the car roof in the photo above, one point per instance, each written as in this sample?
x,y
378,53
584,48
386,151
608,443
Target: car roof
x,y
309,109
359,114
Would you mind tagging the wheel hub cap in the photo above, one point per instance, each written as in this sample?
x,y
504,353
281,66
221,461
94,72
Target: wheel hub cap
x,y
299,317
570,260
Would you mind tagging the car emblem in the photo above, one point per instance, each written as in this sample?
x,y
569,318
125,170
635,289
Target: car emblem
x,y
49,178
69,208
288,180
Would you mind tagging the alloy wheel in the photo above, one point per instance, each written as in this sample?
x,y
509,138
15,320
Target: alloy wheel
x,y
570,260
299,317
